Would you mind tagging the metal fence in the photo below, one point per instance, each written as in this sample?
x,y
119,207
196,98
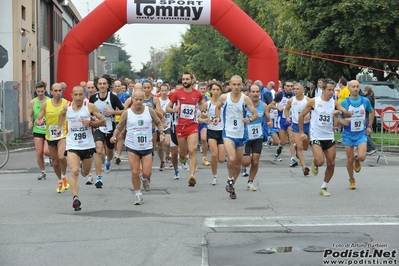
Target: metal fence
x,y
389,133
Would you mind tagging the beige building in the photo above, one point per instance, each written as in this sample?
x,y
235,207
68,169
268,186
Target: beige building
x,y
31,31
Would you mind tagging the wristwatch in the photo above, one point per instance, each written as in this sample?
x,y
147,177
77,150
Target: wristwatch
x,y
90,123
250,119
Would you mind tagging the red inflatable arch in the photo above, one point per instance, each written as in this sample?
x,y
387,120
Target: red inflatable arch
x,y
224,15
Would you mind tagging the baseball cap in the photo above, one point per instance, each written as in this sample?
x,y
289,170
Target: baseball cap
x,y
159,81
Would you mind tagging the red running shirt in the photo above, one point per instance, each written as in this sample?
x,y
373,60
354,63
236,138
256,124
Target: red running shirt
x,y
188,105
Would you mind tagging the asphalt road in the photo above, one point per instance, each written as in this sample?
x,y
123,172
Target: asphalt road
x,y
180,225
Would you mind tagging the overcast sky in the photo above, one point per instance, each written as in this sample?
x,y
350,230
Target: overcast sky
x,y
135,36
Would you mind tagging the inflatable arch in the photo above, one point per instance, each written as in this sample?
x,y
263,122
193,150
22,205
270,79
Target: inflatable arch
x,y
224,15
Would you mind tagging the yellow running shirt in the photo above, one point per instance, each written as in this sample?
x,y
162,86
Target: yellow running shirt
x,y
52,114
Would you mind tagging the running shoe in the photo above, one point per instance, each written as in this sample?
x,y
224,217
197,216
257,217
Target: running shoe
x,y
371,152
229,185
99,182
162,166
60,187
233,194
139,200
358,166
205,162
293,163
107,167
65,183
145,182
251,187
324,192
169,161
41,176
176,176
305,171
118,160
76,203
352,184
184,164
244,172
277,158
313,168
192,181
90,180
214,181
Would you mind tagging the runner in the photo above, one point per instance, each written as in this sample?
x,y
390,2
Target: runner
x,y
107,104
279,102
90,90
323,109
49,113
202,129
254,144
187,101
214,132
355,130
123,96
137,121
80,145
294,107
39,132
234,134
164,100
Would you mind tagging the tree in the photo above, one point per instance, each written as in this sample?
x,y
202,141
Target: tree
x,y
122,70
366,28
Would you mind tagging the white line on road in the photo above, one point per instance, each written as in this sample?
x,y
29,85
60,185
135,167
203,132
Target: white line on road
x,y
300,221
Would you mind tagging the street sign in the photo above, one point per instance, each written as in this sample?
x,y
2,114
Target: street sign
x,y
3,56
390,118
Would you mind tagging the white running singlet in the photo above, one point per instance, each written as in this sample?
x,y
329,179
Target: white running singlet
x,y
322,120
78,136
139,130
233,115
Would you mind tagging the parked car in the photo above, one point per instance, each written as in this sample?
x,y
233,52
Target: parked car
x,y
386,94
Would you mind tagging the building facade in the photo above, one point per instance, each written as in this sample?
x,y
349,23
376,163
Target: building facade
x,y
32,32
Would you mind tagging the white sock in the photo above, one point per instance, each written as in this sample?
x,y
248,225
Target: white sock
x,y
138,192
324,185
63,176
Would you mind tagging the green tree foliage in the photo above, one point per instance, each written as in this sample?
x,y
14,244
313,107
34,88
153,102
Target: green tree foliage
x,y
122,70
367,28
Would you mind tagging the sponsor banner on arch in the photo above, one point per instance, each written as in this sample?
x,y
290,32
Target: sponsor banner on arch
x,y
169,11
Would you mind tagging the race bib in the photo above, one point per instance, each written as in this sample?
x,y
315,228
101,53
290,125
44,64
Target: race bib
x,y
234,124
187,111
357,124
141,139
53,130
254,131
324,119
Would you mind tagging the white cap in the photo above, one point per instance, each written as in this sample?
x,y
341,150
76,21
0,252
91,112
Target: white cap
x,y
159,81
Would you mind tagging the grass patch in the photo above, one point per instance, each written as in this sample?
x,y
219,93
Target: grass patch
x,y
15,142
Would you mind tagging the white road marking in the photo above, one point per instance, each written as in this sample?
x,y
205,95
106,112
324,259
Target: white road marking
x,y
301,221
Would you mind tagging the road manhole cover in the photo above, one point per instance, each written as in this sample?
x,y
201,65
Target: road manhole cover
x,y
314,249
265,251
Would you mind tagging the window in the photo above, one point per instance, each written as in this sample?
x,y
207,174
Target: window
x,y
23,12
